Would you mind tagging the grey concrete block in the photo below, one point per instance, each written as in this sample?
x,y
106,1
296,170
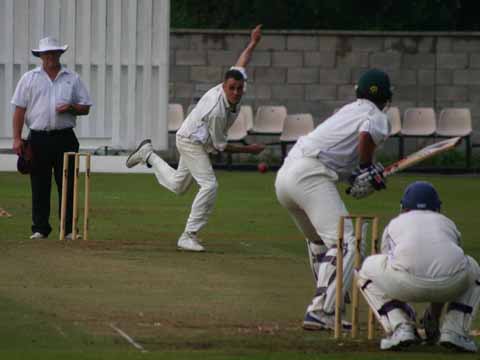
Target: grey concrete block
x,y
444,44
299,42
468,44
402,77
273,42
335,76
474,60
367,43
451,93
302,75
326,42
406,93
320,92
444,77
222,57
206,73
461,77
426,44
474,95
261,58
401,44
287,58
346,93
426,77
419,61
323,59
268,75
288,92
258,91
386,60
466,77
238,42
183,90
452,61
190,57
179,73
180,41
425,94
208,41
355,58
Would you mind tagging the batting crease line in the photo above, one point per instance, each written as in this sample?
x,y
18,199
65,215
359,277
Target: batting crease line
x,y
128,338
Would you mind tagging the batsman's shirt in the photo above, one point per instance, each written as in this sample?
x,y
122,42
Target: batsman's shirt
x,y
335,141
424,243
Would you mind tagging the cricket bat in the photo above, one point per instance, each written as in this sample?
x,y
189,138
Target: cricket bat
x,y
422,155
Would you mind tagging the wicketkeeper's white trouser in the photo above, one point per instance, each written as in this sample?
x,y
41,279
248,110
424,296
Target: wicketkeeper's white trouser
x,y
307,189
383,286
195,164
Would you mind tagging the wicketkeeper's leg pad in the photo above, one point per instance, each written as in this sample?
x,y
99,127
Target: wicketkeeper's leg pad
x,y
461,312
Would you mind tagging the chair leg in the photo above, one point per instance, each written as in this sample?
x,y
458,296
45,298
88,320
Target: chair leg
x,y
468,152
401,147
284,150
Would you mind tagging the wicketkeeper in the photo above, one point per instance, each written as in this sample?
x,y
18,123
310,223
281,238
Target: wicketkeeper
x,y
204,131
422,261
339,149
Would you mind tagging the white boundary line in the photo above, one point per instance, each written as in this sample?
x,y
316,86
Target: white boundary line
x,y
128,338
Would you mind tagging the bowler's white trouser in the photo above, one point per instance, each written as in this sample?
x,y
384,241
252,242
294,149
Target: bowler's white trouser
x,y
306,188
194,163
382,284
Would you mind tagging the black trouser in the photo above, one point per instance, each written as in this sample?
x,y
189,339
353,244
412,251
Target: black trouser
x,y
48,148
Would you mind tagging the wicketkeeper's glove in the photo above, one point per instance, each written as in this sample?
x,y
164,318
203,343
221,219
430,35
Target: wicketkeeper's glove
x,y
365,181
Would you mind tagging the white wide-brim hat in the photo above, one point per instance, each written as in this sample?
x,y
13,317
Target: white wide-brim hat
x,y
48,44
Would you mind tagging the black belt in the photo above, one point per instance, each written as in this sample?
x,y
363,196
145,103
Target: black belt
x,y
51,132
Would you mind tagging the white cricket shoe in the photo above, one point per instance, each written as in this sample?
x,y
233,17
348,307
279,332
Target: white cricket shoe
x,y
37,235
141,153
403,336
457,342
318,320
189,242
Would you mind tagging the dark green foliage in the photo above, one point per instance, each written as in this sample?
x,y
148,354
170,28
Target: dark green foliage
x,y
417,15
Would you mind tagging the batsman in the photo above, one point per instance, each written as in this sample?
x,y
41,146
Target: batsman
x,y
340,149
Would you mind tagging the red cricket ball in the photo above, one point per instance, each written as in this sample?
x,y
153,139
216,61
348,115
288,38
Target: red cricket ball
x,y
262,167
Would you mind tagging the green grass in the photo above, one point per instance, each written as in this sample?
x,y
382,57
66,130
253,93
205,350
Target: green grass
x,y
244,298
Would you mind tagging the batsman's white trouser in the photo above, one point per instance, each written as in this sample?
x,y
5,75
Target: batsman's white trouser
x,y
306,188
381,284
194,163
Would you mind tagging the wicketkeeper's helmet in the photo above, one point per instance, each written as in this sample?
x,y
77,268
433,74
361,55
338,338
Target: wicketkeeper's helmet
x,y
420,195
374,85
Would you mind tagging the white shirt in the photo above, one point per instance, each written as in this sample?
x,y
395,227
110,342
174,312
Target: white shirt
x,y
40,96
335,141
210,119
424,243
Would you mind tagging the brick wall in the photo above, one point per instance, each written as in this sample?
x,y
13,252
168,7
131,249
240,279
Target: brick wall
x,y
315,71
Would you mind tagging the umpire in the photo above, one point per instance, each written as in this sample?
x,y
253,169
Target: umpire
x,y
47,100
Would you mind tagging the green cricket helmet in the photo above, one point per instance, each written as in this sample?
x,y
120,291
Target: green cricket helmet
x,y
374,85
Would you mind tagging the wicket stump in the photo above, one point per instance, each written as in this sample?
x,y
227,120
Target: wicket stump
x,y
76,175
359,220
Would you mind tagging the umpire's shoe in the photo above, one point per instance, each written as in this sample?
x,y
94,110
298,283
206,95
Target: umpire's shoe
x,y
141,154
